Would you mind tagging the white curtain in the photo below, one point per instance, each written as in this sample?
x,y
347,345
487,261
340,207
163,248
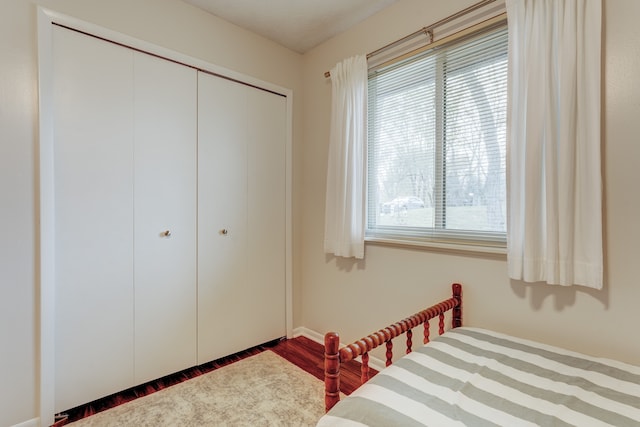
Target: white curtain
x,y
345,200
554,183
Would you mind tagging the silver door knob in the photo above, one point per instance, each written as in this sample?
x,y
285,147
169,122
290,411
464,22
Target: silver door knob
x,y
166,233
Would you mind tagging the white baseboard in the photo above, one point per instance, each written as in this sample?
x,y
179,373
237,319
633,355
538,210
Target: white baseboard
x,y
308,333
35,422
374,362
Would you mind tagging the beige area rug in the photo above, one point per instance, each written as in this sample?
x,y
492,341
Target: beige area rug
x,y
261,390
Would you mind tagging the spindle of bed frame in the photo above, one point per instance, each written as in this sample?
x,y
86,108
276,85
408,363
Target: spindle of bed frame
x,y
334,355
427,331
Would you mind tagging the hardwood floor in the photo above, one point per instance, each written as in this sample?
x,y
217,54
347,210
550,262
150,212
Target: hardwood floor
x,y
309,355
301,351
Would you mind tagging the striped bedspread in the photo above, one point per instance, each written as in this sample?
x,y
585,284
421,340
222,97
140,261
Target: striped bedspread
x,y
475,377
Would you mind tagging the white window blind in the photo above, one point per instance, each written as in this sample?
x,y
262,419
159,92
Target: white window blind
x,y
436,144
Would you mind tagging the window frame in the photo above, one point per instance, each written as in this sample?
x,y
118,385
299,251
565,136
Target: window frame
x,y
433,237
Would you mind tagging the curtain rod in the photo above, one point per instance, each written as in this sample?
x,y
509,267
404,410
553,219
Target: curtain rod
x,y
428,30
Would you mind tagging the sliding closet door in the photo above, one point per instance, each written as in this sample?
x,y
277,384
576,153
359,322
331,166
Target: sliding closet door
x,y
241,217
222,216
93,155
165,96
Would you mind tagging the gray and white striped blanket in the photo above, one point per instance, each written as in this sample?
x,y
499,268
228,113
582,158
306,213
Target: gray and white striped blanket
x,y
475,377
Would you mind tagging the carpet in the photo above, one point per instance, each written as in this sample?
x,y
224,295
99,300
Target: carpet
x,y
261,390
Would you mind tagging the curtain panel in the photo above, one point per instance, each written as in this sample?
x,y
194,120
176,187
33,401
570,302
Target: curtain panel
x,y
345,198
554,231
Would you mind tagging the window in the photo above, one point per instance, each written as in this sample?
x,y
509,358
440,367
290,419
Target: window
x,y
436,144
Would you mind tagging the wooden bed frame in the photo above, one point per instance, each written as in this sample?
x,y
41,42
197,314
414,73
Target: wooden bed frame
x,y
335,356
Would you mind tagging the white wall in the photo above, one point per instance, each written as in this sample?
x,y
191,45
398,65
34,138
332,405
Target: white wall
x,y
356,298
168,23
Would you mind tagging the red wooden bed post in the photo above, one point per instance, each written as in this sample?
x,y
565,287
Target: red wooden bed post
x,y
331,370
456,320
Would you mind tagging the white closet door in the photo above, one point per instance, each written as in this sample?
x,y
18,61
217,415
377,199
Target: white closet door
x,y
222,216
267,215
93,155
241,217
165,217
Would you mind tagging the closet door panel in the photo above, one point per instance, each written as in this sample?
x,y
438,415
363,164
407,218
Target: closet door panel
x,y
267,216
165,217
222,217
93,155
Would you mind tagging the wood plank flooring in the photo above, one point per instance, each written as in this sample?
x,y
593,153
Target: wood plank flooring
x,y
309,355
301,351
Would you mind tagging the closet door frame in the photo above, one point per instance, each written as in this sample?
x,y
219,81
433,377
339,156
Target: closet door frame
x,y
45,270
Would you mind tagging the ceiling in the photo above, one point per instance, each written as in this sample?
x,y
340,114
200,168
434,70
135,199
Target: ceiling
x,y
299,25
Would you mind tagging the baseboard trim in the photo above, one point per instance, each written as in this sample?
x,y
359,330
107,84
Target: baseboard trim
x,y
35,422
374,362
308,333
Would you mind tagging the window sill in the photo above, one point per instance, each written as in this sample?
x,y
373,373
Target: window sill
x,y
493,251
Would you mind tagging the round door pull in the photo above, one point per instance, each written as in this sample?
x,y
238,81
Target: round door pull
x,y
166,233
224,231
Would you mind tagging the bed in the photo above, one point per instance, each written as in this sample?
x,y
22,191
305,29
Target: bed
x,y
476,377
